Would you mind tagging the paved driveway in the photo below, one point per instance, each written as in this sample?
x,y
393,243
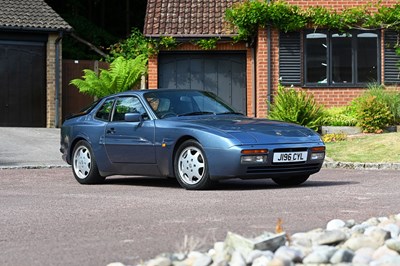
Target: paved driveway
x,y
30,147
47,218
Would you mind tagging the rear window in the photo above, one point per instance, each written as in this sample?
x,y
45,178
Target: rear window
x,y
85,110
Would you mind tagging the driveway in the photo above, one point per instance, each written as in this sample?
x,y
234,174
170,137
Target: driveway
x,y
30,148
47,218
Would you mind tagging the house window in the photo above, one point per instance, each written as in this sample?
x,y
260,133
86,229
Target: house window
x,y
336,59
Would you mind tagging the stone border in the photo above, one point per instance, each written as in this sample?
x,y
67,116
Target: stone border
x,y
361,166
326,165
16,167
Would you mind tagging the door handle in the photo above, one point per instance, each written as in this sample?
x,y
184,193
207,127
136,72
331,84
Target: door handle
x,y
110,131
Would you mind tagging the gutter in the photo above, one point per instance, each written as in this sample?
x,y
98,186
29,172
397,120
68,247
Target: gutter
x,y
57,43
253,80
269,86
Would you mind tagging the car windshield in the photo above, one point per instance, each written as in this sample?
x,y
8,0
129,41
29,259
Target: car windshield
x,y
169,103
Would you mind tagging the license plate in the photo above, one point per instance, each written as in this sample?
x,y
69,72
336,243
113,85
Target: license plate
x,y
287,157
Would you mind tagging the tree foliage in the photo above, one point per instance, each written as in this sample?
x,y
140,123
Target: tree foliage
x,y
137,44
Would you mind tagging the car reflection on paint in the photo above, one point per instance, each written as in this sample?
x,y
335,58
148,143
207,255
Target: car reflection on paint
x,y
187,134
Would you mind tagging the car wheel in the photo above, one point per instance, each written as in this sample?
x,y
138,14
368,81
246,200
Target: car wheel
x,y
84,165
191,167
291,181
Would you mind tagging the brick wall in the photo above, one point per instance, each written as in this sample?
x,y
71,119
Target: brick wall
x,y
51,83
329,97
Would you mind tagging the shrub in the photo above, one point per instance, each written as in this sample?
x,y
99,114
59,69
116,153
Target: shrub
x,y
296,107
340,116
390,98
334,137
123,75
373,114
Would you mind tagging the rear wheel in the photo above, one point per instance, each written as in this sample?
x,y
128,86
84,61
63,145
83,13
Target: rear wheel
x,y
290,181
84,165
191,167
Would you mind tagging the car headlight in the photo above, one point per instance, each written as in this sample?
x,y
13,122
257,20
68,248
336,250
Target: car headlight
x,y
254,156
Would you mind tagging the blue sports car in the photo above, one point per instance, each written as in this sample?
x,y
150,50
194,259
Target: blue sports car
x,y
191,135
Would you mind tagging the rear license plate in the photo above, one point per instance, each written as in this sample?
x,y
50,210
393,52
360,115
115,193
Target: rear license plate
x,y
287,157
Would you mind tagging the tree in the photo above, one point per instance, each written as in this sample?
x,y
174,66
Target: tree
x,y
100,22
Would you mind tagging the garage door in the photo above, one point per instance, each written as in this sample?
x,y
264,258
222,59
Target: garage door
x,y
221,73
22,84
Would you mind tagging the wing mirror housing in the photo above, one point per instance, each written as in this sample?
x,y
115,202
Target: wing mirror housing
x,y
133,117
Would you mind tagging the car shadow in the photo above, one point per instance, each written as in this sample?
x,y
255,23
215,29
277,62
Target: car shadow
x,y
143,181
269,184
233,184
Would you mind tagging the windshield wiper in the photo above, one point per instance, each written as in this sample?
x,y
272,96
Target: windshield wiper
x,y
230,113
197,113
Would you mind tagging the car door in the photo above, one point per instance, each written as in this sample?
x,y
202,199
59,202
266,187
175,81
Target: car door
x,y
130,142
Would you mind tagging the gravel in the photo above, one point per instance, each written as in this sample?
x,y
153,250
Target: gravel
x,y
374,242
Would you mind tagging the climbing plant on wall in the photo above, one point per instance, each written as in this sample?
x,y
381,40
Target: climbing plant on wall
x,y
248,16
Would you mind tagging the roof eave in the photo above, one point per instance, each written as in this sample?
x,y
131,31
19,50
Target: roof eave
x,y
34,29
193,36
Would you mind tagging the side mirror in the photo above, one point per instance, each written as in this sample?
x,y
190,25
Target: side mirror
x,y
133,117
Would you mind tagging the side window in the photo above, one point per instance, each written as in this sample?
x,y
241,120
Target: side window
x,y
105,110
127,105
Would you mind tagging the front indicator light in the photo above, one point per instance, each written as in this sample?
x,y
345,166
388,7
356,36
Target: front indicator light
x,y
318,153
253,159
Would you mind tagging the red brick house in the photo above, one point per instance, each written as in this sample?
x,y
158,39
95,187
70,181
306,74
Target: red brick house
x,y
332,67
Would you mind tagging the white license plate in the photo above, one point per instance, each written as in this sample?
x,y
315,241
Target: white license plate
x,y
287,157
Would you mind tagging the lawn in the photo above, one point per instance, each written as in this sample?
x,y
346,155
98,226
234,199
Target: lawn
x,y
376,148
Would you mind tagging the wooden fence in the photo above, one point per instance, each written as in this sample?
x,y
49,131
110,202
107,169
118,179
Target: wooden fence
x,y
72,100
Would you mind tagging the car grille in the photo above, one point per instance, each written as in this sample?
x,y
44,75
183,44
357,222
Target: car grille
x,y
283,168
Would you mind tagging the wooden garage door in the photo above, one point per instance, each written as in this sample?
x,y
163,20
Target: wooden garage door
x,y
22,84
221,73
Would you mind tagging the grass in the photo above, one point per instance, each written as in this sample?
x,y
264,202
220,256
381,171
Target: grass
x,y
377,148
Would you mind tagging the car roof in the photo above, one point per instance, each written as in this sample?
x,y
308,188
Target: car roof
x,y
141,92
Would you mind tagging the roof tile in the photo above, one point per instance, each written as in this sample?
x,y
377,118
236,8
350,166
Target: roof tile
x,y
30,14
187,18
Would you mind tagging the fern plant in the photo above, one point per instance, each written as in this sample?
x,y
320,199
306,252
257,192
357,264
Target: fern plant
x,y
122,75
296,107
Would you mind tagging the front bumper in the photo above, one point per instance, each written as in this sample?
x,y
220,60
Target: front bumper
x,y
227,164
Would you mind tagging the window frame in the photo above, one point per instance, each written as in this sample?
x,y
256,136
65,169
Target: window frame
x,y
100,108
144,114
329,59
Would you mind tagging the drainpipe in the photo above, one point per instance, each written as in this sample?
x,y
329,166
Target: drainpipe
x,y
57,43
253,80
269,90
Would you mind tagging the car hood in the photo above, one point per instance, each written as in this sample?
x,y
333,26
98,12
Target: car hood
x,y
258,131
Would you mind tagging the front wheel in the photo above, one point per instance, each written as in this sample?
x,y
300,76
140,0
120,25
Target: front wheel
x,y
84,165
191,167
290,181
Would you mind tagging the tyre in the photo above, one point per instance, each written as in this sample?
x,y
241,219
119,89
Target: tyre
x,y
191,167
84,165
290,181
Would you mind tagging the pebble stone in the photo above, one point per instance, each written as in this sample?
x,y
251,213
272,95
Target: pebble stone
x,y
374,242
